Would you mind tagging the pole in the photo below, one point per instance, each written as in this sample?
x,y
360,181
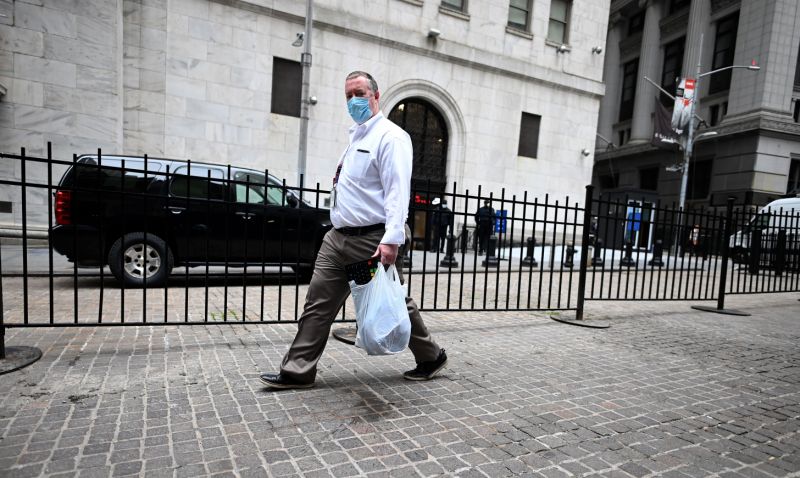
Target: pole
x,y
305,61
687,150
587,222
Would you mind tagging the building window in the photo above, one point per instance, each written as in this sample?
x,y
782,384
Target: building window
x,y
519,14
287,79
629,73
558,29
529,135
636,23
458,5
717,113
648,179
793,182
673,59
796,114
797,71
699,179
724,49
609,181
677,5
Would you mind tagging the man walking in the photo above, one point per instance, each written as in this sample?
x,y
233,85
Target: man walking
x,y
370,196
484,218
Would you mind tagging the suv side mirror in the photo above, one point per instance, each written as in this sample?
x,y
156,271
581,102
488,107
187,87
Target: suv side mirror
x,y
292,201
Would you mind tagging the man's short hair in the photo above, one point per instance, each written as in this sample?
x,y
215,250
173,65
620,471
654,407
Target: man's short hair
x,y
373,85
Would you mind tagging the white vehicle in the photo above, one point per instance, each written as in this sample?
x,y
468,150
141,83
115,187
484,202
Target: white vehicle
x,y
777,215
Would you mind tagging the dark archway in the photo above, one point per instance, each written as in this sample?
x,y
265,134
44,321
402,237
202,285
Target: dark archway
x,y
429,136
428,131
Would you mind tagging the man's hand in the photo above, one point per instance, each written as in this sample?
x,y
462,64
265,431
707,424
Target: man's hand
x,y
387,253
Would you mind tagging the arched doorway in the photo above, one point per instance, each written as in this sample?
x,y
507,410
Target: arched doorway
x,y
428,131
429,137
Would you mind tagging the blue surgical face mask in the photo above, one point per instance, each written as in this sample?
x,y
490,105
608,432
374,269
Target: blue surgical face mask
x,y
358,107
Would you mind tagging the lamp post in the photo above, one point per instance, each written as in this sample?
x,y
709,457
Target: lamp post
x,y
305,60
687,150
690,138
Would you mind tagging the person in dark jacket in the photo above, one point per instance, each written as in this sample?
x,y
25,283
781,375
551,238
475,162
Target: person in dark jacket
x,y
484,218
443,223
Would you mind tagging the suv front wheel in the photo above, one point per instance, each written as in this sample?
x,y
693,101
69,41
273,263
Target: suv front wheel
x,y
137,259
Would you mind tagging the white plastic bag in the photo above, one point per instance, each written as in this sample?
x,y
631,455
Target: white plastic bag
x,y
383,324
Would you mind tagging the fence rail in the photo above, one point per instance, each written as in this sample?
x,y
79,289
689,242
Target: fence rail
x,y
134,241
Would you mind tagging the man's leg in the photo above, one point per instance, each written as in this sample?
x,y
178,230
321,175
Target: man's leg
x,y
422,345
326,293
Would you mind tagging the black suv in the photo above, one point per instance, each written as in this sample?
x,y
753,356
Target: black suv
x,y
142,217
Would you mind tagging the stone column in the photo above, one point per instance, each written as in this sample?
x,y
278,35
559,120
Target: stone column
x,y
770,88
649,66
699,14
609,104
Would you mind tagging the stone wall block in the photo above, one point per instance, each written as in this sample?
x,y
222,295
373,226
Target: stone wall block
x,y
45,20
153,81
211,72
151,123
79,52
188,47
96,79
144,101
94,30
6,12
186,127
20,40
146,59
230,95
186,87
43,119
154,39
227,55
23,92
6,63
95,127
48,71
205,110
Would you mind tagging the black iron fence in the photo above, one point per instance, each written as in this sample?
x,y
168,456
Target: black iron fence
x,y
107,240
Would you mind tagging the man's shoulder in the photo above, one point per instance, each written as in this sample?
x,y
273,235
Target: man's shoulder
x,y
390,129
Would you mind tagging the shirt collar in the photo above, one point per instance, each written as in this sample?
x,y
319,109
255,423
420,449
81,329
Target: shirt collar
x,y
362,129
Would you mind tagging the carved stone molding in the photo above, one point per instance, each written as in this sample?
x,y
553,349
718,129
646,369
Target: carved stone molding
x,y
631,46
674,24
717,5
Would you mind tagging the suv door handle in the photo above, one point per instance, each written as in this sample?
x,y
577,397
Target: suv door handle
x,y
176,209
245,215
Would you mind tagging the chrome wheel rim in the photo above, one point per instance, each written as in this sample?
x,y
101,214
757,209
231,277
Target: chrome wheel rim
x,y
141,261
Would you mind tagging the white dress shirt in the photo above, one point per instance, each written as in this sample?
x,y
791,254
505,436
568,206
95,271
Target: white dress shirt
x,y
374,182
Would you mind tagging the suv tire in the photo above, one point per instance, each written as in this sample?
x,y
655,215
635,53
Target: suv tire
x,y
132,256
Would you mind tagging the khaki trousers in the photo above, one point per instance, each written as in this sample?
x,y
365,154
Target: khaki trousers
x,y
326,295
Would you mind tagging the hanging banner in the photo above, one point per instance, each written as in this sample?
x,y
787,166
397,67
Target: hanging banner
x,y
681,112
664,137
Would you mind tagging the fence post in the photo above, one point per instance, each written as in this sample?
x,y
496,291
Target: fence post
x,y
755,251
529,260
658,251
597,258
449,260
723,274
780,253
587,222
628,261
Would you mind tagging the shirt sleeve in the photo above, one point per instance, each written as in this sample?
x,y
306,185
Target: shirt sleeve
x,y
395,159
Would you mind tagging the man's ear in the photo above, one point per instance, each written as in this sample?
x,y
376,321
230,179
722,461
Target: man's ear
x,y
377,96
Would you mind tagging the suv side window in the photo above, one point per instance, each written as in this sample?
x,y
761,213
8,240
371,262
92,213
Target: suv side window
x,y
109,175
200,183
249,187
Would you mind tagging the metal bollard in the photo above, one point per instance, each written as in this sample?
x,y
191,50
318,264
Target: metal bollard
x,y
780,253
491,260
597,259
529,260
449,259
658,251
464,238
568,262
628,261
755,252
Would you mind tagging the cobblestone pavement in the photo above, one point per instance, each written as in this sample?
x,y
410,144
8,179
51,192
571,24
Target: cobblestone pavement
x,y
666,391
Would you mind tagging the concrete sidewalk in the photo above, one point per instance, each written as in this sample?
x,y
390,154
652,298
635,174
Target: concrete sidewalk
x,y
666,391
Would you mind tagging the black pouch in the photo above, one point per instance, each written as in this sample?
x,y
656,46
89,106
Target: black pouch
x,y
362,271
